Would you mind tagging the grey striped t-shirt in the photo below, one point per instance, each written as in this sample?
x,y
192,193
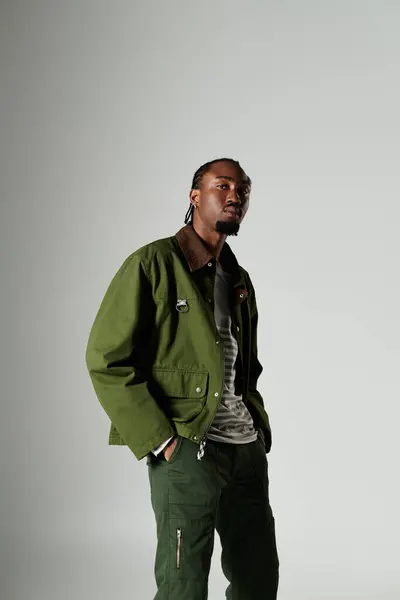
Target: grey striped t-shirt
x,y
233,423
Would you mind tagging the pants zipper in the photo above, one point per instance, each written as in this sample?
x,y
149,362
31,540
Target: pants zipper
x,y
178,547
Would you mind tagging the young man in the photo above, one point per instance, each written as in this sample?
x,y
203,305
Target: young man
x,y
172,355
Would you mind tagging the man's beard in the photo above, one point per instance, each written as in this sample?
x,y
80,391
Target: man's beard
x,y
227,227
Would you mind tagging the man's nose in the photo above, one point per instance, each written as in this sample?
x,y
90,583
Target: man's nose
x,y
234,196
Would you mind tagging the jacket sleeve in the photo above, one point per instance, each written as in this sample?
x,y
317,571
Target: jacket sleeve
x,y
255,367
113,356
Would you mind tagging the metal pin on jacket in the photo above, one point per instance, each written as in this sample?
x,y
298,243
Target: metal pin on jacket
x,y
182,305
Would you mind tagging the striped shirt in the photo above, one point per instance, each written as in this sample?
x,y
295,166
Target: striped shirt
x,y
233,423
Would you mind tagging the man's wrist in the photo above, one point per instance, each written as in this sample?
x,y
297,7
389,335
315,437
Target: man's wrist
x,y
159,449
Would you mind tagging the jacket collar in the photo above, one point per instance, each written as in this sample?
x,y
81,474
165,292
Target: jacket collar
x,y
197,256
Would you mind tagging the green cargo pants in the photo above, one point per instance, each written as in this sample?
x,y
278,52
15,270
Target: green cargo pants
x,y
226,490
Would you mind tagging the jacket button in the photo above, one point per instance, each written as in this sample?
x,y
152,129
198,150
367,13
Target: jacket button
x,y
216,394
198,390
241,295
209,265
238,328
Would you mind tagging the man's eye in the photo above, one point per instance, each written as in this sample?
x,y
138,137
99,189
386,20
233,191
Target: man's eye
x,y
223,185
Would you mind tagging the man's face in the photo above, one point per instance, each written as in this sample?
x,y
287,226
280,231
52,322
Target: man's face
x,y
223,198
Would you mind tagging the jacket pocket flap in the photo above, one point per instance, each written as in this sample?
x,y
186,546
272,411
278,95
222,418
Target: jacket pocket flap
x,y
180,383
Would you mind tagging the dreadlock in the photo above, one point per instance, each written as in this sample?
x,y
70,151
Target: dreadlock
x,y
198,177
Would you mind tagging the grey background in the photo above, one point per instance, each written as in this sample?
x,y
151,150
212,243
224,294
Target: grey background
x,y
107,110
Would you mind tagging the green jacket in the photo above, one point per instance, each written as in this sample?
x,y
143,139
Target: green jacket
x,y
159,371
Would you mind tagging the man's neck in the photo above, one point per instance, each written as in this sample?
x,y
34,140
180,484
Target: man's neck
x,y
213,240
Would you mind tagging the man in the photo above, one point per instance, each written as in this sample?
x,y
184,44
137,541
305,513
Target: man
x,y
172,355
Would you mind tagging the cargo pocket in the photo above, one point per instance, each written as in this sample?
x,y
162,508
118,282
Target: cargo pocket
x,y
192,544
181,393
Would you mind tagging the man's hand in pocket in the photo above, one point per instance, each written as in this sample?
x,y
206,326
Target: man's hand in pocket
x,y
169,448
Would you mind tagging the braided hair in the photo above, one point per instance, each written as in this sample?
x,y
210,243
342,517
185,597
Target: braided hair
x,y
197,179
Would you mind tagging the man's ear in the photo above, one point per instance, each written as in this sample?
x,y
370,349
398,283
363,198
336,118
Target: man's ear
x,y
194,196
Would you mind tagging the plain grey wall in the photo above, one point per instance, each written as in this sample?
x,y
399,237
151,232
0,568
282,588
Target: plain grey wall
x,y
107,110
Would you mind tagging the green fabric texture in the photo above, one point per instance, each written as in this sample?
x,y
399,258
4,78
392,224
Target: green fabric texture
x,y
227,491
159,372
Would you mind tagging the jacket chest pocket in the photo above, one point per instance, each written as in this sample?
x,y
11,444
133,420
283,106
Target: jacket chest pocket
x,y
181,393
